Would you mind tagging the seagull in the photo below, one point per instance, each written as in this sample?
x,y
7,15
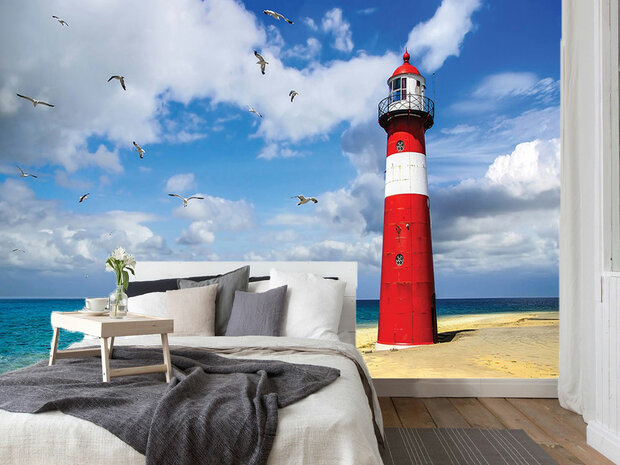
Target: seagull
x,y
185,200
277,16
121,79
292,94
61,21
18,250
25,175
303,200
252,110
261,61
139,149
84,197
35,102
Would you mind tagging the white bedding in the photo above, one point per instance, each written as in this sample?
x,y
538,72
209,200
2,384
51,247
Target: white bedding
x,y
332,426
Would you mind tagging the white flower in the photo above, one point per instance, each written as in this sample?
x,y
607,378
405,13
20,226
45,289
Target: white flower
x,y
130,261
119,254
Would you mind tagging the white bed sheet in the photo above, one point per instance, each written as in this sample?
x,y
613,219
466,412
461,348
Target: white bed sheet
x,y
332,426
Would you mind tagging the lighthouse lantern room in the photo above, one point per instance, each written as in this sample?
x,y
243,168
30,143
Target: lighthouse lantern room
x,y
407,313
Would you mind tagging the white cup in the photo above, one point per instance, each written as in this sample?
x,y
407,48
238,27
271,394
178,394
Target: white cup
x,y
96,304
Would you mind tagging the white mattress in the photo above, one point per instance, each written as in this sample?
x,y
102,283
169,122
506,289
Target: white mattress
x,y
332,426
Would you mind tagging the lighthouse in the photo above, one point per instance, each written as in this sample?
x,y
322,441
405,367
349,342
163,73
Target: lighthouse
x,y
407,315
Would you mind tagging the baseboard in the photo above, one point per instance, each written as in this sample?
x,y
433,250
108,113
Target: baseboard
x,y
604,441
466,387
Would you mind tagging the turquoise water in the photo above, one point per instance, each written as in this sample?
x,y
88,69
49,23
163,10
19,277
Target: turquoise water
x,y
26,333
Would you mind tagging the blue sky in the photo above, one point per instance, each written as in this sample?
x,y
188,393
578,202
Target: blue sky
x,y
493,153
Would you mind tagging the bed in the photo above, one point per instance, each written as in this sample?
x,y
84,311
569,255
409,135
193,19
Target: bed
x,y
341,423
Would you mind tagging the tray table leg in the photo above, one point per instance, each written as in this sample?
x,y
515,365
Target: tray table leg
x,y
166,349
105,360
54,346
111,348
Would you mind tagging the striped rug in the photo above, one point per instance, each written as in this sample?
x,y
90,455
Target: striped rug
x,y
458,446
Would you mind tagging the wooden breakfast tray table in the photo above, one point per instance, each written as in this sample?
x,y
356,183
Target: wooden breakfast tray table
x,y
106,329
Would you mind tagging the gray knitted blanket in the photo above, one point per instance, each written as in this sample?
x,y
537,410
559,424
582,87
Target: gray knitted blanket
x,y
215,410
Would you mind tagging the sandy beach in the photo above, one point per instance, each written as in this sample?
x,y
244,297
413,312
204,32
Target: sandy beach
x,y
504,345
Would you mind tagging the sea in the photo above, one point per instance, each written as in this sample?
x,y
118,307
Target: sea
x,y
26,333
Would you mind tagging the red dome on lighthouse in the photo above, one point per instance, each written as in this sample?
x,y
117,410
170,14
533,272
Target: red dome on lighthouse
x,y
406,68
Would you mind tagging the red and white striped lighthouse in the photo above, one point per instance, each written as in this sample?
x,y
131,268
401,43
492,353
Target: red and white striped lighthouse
x,y
407,314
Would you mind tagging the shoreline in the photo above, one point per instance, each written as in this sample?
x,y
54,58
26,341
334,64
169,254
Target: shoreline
x,y
498,345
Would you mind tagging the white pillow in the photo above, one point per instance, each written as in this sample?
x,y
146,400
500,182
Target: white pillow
x,y
259,286
312,306
152,304
193,309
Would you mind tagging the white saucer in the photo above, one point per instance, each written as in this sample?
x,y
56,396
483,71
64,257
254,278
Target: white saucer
x,y
92,313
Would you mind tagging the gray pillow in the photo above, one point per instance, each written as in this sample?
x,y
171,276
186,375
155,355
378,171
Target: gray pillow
x,y
257,314
228,283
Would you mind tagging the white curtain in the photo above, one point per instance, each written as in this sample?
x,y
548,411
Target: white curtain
x,y
580,212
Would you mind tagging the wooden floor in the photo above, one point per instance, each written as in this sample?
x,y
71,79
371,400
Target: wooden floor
x,y
562,434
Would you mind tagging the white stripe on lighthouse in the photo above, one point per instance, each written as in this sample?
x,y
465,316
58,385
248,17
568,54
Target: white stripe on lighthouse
x,y
405,173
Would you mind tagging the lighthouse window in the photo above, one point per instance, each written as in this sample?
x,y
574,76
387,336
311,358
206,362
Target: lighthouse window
x,y
399,89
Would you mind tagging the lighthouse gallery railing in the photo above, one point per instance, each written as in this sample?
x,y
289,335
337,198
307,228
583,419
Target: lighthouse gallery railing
x,y
412,104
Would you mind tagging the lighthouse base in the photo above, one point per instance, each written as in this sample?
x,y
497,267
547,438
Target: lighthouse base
x,y
379,346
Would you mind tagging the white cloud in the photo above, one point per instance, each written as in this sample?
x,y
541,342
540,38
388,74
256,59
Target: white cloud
x,y
533,167
497,89
307,21
199,232
92,107
510,84
442,36
453,157
180,183
290,219
367,11
366,251
506,219
275,150
219,213
58,240
459,129
334,23
308,51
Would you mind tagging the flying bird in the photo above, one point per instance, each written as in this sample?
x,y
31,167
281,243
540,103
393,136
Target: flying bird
x,y
35,102
139,149
18,250
121,80
61,21
25,175
84,197
292,94
303,200
185,200
261,61
277,16
252,110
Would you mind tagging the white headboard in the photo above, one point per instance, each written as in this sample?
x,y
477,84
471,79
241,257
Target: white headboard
x,y
345,271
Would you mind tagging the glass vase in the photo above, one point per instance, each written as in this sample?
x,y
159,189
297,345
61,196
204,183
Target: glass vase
x,y
118,303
